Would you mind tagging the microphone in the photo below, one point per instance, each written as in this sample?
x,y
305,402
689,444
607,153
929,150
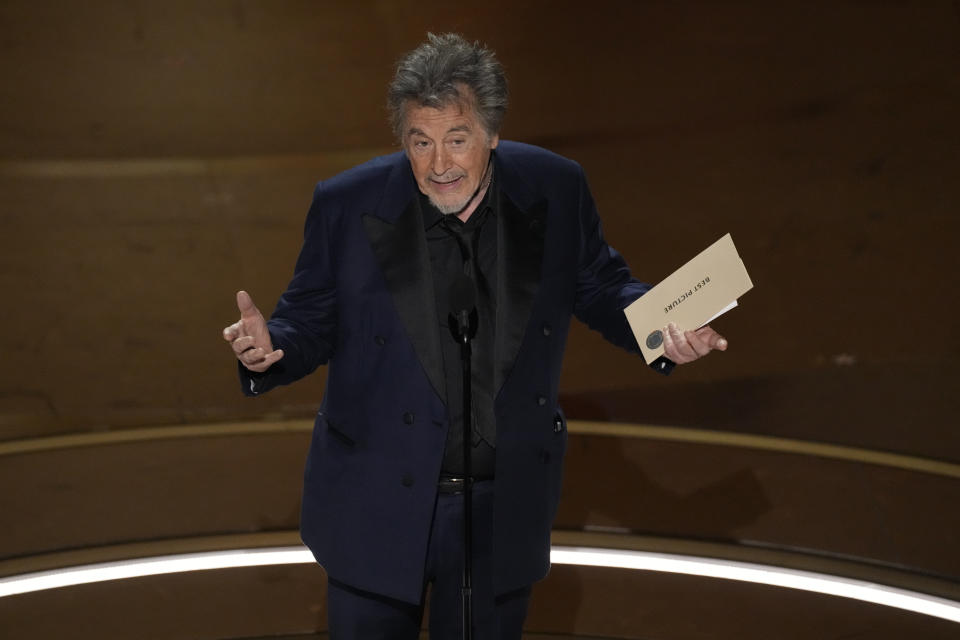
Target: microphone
x,y
463,308
463,326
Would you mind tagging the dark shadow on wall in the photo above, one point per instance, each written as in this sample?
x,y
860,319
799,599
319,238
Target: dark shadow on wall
x,y
605,490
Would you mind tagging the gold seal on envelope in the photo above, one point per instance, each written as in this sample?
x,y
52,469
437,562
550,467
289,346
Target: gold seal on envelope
x,y
691,296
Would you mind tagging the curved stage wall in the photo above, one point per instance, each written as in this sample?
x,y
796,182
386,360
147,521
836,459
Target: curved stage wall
x,y
702,494
156,157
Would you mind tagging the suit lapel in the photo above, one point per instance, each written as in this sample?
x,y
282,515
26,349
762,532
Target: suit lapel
x,y
396,235
521,228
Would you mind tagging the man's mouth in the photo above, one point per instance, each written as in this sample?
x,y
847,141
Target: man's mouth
x,y
447,185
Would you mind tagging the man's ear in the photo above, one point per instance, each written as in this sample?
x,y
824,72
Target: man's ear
x,y
494,140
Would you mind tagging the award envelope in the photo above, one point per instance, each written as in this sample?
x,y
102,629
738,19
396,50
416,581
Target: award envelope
x,y
691,296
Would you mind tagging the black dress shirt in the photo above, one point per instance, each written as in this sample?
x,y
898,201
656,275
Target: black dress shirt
x,y
467,247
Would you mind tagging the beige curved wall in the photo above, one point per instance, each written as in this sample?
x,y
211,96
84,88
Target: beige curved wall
x,y
156,157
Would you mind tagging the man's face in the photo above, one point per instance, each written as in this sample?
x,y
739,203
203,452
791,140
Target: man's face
x,y
448,150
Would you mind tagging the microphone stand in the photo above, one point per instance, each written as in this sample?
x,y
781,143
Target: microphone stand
x,y
463,326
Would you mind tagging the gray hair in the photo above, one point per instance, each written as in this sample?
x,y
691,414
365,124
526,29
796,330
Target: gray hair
x,y
430,74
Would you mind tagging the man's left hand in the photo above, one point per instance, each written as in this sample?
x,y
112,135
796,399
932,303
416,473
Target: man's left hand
x,y
687,346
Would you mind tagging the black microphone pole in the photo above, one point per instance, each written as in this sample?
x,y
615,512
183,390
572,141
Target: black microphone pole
x,y
463,326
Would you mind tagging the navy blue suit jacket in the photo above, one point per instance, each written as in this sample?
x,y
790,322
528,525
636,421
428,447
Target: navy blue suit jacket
x,y
362,302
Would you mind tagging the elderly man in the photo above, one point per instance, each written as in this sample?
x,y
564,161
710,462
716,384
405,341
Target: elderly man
x,y
370,297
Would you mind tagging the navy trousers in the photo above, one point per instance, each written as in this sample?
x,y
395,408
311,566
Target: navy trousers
x,y
354,614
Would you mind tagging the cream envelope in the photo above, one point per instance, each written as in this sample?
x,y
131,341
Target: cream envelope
x,y
691,296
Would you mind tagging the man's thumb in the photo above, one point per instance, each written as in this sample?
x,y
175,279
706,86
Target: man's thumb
x,y
245,304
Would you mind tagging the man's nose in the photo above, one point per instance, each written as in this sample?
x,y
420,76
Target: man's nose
x,y
441,160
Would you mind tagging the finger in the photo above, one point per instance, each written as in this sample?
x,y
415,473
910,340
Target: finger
x,y
246,306
232,332
252,356
242,344
671,348
712,338
266,362
699,345
272,357
680,342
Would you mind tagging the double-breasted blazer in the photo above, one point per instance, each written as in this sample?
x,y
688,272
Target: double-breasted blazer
x,y
362,302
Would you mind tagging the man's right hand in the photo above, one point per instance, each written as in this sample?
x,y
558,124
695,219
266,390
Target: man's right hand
x,y
250,338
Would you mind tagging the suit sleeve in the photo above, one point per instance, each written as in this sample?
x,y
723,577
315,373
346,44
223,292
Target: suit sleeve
x,y
605,286
304,321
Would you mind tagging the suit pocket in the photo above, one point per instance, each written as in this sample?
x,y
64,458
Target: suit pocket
x,y
338,434
337,431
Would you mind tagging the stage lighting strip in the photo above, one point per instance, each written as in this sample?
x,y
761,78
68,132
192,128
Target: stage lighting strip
x,y
578,427
583,556
98,168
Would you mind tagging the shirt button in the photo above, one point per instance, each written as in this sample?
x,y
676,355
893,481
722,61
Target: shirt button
x,y
541,400
380,340
408,417
407,480
546,329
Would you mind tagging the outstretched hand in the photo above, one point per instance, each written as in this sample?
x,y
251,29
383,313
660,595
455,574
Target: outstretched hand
x,y
686,346
250,338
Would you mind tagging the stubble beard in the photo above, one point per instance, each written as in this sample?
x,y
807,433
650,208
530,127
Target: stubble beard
x,y
458,207
449,209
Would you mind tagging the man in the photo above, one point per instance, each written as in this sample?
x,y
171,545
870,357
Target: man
x,y
383,244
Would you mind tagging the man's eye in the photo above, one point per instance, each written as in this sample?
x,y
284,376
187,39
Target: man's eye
x,y
457,143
